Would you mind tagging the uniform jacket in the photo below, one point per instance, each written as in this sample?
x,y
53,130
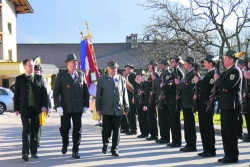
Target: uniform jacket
x,y
138,97
205,86
22,89
110,96
148,88
170,86
187,90
131,79
71,94
230,85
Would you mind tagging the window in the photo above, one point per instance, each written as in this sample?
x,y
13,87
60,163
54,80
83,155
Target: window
x,y
9,54
3,92
9,28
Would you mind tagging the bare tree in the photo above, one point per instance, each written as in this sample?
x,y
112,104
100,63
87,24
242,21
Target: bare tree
x,y
201,27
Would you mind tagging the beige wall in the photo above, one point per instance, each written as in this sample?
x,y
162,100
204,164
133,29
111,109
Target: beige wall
x,y
9,40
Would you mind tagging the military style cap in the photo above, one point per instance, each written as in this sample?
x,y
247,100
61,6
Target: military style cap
x,y
165,62
233,54
130,65
38,67
151,62
112,64
241,61
189,60
209,58
70,57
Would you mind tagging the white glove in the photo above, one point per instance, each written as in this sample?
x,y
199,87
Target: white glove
x,y
84,109
50,110
59,110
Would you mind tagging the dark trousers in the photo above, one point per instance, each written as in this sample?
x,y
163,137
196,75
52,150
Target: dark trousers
x,y
132,117
39,134
164,122
30,122
111,123
240,126
229,132
207,131
152,120
175,124
247,117
77,129
125,123
143,121
189,128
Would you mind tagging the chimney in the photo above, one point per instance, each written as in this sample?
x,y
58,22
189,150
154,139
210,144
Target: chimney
x,y
134,43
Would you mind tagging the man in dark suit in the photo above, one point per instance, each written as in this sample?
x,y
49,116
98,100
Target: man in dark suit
x,y
205,87
187,89
230,96
71,99
30,98
163,112
171,90
130,85
111,97
151,89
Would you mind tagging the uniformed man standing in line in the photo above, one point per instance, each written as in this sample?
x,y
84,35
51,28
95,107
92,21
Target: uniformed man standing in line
x,y
187,88
111,96
247,115
139,101
130,85
71,98
163,112
170,89
240,65
206,125
150,100
230,85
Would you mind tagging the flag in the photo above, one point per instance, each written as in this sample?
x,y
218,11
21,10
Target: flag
x,y
82,54
88,64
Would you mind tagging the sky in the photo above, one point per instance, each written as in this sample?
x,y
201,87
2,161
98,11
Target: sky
x,y
55,21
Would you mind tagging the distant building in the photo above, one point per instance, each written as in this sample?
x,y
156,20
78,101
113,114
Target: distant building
x,y
10,67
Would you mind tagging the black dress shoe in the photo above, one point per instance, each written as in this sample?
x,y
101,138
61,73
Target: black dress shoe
x,y
124,131
173,145
115,153
181,149
104,149
246,139
158,140
131,133
64,149
142,136
200,154
189,149
38,145
170,144
152,138
25,157
75,155
229,160
163,141
34,156
219,160
208,154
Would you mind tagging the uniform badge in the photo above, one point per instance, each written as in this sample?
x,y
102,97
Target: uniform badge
x,y
211,81
192,81
232,77
68,86
167,77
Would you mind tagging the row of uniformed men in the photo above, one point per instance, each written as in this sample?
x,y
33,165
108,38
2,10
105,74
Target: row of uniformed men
x,y
182,87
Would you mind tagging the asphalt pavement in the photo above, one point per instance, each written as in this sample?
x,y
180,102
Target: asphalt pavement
x,y
133,151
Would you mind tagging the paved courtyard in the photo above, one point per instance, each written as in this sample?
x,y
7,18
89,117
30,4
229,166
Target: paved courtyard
x,y
133,151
